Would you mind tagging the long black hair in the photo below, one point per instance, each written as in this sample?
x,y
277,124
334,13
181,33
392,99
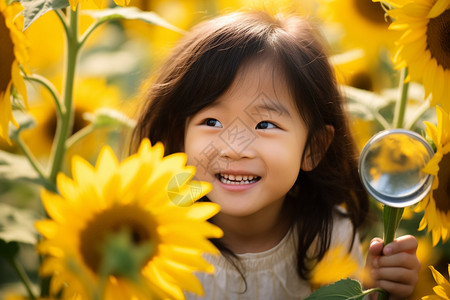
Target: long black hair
x,y
203,66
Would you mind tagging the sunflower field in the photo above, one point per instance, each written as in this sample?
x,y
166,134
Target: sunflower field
x,y
72,74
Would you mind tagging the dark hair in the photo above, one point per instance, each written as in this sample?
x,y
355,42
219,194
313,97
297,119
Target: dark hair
x,y
203,66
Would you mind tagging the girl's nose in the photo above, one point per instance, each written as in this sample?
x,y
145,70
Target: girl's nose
x,y
237,141
228,152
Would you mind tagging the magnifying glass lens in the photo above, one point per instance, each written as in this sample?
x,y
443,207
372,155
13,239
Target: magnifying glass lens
x,y
391,166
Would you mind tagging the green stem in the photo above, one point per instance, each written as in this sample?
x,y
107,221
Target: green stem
x,y
391,220
400,107
381,120
91,29
49,86
65,122
62,18
373,290
34,163
23,277
79,135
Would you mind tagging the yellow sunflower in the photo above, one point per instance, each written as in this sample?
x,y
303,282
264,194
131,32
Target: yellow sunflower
x,y
91,94
138,195
48,62
393,3
20,297
273,6
424,45
362,22
158,39
97,3
442,290
436,204
13,53
335,265
427,255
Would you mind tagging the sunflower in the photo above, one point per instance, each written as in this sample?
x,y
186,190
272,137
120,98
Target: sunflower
x,y
424,45
436,204
335,265
159,40
48,62
132,195
91,94
97,3
442,290
13,53
427,255
272,6
362,22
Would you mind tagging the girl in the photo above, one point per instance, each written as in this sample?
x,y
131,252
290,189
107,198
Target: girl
x,y
253,102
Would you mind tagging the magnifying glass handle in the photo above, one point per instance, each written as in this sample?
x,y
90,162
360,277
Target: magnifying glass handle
x,y
391,220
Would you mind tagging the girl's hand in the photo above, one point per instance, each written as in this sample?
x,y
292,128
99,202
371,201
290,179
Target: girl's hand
x,y
394,268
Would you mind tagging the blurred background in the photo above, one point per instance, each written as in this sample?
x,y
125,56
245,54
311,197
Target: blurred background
x,y
120,57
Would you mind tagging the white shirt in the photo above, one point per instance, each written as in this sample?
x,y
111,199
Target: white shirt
x,y
270,274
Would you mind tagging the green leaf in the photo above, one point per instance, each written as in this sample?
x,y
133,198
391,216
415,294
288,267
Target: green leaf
x,y
33,9
362,103
342,289
108,117
17,225
131,13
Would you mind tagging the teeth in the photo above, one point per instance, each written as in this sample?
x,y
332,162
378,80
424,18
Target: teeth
x,y
237,179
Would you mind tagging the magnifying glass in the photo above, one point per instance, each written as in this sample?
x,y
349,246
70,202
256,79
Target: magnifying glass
x,y
390,167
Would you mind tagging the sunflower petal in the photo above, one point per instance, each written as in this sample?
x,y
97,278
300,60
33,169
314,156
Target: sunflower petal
x,y
438,8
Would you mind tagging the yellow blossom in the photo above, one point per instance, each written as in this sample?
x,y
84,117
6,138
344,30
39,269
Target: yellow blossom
x,y
13,54
436,204
137,195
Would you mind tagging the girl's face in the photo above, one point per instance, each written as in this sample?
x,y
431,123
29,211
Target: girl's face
x,y
249,143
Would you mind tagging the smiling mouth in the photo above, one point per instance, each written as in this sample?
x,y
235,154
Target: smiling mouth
x,y
237,179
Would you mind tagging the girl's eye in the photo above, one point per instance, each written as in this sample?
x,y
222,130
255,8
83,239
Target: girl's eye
x,y
266,125
212,122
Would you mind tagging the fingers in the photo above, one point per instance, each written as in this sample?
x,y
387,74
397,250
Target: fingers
x,y
376,247
407,243
396,290
375,250
404,259
396,275
395,267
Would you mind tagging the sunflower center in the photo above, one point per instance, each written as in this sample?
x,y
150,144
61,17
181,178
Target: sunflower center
x,y
131,217
442,194
362,80
371,11
78,123
6,54
438,38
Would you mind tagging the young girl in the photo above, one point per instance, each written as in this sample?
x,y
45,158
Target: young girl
x,y
253,102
